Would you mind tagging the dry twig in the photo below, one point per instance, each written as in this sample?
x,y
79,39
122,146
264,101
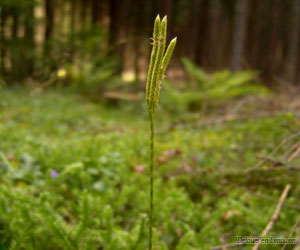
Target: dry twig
x,y
264,197
296,153
226,246
284,141
277,162
275,215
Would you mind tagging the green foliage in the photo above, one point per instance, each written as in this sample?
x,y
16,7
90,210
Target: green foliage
x,y
95,72
98,199
88,69
20,47
94,78
18,6
223,85
213,88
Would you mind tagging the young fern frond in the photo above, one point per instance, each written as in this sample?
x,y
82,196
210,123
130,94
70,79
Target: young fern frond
x,y
159,61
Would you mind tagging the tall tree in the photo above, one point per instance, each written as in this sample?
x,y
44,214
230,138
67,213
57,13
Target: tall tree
x,y
240,22
29,39
49,6
119,18
294,43
96,11
191,29
214,45
139,22
166,8
3,18
203,20
49,26
271,58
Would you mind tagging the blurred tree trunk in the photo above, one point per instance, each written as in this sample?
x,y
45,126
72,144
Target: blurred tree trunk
x,y
19,48
191,29
49,23
29,53
270,59
217,23
253,31
225,34
119,17
202,32
87,14
3,41
96,11
294,43
213,44
166,8
72,29
104,23
284,35
83,14
139,26
239,35
49,5
263,35
258,33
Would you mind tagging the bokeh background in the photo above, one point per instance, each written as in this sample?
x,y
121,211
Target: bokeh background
x,y
39,37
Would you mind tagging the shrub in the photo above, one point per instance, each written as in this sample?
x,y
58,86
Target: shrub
x,y
223,84
211,89
93,78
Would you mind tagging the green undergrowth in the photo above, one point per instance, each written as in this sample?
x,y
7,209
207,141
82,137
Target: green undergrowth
x,y
74,176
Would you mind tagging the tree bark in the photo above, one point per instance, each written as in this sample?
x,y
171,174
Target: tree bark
x,y
3,51
191,30
119,18
202,32
96,11
29,42
240,23
294,43
165,8
49,18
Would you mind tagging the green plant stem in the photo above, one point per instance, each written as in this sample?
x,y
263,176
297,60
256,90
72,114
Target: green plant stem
x,y
151,117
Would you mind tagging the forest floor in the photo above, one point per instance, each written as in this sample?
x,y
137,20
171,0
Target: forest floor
x,y
74,173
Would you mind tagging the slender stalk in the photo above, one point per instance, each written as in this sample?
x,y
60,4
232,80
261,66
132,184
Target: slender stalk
x,y
151,178
159,61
